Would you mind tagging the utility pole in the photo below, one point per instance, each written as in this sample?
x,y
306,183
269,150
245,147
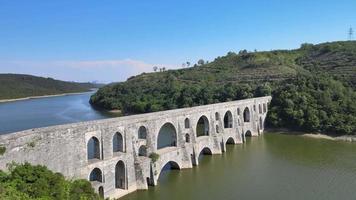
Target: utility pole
x,y
351,34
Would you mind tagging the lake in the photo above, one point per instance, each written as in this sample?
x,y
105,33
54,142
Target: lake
x,y
273,166
34,113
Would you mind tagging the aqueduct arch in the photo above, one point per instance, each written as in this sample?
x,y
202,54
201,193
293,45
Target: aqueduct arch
x,y
202,128
167,136
117,143
248,133
93,148
142,151
142,132
228,120
170,165
120,177
96,175
247,116
230,140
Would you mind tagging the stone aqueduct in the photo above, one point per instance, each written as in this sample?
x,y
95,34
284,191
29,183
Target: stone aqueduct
x,y
116,154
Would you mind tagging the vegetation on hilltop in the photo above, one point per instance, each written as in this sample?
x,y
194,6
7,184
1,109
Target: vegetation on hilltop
x,y
14,86
313,87
27,182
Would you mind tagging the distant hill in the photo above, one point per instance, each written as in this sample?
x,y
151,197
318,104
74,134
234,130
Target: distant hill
x,y
13,86
313,87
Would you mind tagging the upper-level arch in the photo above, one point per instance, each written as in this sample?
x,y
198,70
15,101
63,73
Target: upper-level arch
x,y
264,108
167,136
228,120
202,126
142,132
117,143
93,148
186,123
247,117
217,116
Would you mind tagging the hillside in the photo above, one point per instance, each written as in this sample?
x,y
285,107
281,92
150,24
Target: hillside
x,y
14,86
316,76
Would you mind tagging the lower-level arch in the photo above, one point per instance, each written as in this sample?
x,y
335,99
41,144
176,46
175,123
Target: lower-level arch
x,y
170,165
248,133
230,140
205,151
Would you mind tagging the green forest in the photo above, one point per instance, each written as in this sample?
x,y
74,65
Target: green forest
x,y
313,87
28,182
14,86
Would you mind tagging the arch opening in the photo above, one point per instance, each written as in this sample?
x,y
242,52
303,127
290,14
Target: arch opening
x,y
205,151
228,120
264,108
260,108
120,178
96,175
261,123
248,134
142,133
217,116
171,165
142,151
187,138
247,115
117,143
167,136
186,123
230,141
101,192
202,126
93,148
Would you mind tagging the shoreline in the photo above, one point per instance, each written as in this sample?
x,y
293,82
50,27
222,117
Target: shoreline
x,y
344,138
42,96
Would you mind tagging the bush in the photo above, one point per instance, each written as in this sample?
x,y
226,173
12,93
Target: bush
x,y
37,182
154,157
2,150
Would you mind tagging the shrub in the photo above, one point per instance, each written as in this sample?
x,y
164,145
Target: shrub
x,y
154,157
2,150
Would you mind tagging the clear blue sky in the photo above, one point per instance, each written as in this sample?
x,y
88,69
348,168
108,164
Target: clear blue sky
x,y
111,40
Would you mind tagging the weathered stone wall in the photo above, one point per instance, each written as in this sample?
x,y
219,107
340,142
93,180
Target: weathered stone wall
x,y
64,148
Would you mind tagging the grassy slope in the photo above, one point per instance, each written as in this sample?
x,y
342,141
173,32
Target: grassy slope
x,y
19,86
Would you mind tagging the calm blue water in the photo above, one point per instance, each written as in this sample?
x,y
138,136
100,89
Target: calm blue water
x,y
34,113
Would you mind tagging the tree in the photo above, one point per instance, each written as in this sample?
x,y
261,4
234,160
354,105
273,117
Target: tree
x,y
201,62
155,68
188,64
28,182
